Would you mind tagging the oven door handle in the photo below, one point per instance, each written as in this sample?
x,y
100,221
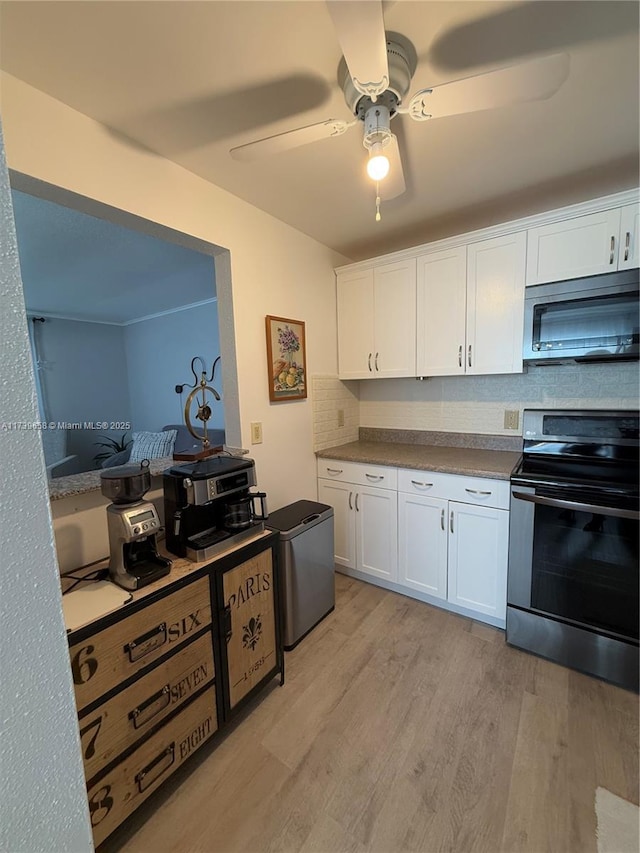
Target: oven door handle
x,y
598,510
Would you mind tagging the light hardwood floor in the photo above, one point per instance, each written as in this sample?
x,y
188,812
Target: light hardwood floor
x,y
402,727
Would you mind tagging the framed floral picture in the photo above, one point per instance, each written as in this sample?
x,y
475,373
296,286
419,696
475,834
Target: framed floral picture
x,y
286,359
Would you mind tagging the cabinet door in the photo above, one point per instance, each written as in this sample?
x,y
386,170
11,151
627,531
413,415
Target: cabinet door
x,y
395,319
478,544
440,308
495,304
355,324
341,497
629,253
249,602
585,245
422,544
377,532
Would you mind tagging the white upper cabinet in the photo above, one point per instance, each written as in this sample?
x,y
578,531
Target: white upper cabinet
x,y
377,321
629,251
441,312
470,307
495,304
586,245
355,323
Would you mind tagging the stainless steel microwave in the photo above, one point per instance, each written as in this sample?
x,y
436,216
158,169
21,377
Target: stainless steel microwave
x,y
585,319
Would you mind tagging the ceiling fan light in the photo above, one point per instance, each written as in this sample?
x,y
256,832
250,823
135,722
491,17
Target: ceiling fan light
x,y
378,163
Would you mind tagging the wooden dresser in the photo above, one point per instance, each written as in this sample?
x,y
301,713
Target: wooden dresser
x,y
157,678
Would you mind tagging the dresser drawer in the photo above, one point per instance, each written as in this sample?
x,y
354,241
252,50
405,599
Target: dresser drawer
x,y
360,473
107,658
128,784
129,715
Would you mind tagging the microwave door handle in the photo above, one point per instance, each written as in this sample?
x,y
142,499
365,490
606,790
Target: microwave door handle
x,y
579,507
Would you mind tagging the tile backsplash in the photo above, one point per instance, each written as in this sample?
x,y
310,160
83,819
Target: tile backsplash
x,y
330,397
474,404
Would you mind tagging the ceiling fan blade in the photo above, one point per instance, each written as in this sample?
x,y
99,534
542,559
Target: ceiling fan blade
x,y
290,139
393,185
360,28
528,81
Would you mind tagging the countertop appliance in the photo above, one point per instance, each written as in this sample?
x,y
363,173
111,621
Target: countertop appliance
x,y
133,524
307,567
585,319
208,506
572,590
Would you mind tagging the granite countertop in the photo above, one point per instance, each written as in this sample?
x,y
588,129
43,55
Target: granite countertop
x,y
496,462
89,481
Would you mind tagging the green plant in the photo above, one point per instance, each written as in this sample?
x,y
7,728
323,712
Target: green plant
x,y
112,446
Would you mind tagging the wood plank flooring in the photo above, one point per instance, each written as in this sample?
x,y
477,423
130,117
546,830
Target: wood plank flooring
x,y
402,727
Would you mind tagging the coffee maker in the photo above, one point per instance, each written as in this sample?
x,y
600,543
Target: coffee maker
x,y
208,506
133,524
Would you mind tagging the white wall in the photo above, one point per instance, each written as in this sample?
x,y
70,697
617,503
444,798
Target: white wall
x,y
43,803
159,354
275,269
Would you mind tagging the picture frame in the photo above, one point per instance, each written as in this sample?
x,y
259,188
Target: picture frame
x,y
286,359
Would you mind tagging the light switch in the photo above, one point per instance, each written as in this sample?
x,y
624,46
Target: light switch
x,y
256,432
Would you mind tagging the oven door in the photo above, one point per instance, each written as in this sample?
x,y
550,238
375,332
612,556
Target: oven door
x,y
574,560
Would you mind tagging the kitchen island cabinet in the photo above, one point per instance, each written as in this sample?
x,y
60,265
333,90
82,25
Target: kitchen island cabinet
x,y
158,677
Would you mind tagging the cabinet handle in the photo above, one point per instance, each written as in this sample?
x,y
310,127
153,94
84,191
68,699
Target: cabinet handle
x,y
627,243
227,624
350,505
424,485
460,356
469,355
334,470
376,361
613,246
442,519
357,507
160,765
147,643
150,707
451,521
477,492
369,362
374,476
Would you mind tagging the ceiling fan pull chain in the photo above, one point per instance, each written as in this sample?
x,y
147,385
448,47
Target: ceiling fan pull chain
x,y
378,217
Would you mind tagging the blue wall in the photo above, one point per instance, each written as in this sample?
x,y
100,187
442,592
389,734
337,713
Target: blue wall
x,y
159,353
84,379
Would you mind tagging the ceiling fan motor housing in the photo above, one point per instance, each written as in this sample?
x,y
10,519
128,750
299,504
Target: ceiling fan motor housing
x,y
399,81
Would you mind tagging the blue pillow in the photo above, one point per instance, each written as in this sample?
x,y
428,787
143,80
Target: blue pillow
x,y
152,445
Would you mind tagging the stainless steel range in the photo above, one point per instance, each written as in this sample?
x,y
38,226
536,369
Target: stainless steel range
x,y
572,591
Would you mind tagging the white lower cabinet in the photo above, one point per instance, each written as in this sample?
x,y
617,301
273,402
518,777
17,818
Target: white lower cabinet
x,y
478,547
440,537
365,516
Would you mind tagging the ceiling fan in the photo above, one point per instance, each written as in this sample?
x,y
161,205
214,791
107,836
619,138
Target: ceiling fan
x,y
375,75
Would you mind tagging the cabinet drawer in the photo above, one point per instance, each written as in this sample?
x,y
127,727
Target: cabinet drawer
x,y
483,491
107,658
428,483
362,474
124,719
128,784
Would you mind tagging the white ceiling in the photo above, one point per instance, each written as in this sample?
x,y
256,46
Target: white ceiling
x,y
77,266
190,80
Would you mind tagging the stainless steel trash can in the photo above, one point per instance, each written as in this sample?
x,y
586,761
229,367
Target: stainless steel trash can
x,y
306,566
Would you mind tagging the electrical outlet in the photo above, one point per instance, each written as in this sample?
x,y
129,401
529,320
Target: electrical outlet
x,y
511,418
340,417
256,432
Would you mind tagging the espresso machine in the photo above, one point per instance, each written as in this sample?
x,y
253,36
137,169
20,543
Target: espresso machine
x,y
133,524
208,506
